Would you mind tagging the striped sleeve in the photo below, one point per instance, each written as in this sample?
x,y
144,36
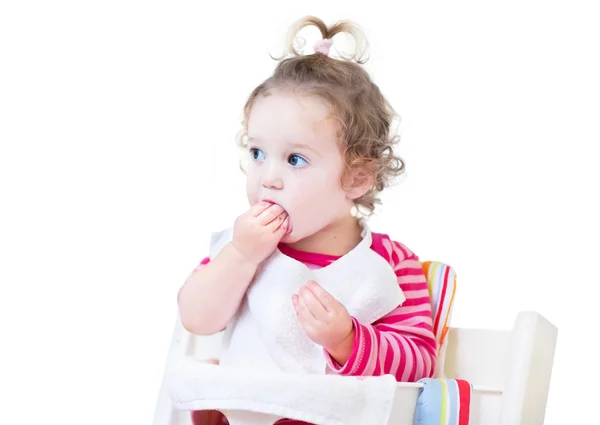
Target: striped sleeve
x,y
402,343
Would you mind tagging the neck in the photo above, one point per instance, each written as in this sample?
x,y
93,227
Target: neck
x,y
337,239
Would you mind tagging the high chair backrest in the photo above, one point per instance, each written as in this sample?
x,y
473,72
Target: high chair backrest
x,y
441,282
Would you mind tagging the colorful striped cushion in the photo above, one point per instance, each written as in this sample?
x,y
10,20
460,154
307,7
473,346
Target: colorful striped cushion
x,y
443,401
441,281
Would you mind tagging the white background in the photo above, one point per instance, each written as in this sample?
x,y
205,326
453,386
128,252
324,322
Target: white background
x,y
117,127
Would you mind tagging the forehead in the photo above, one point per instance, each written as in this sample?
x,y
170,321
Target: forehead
x,y
293,117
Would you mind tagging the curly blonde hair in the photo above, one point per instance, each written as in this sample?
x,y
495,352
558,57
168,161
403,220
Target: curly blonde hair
x,y
365,116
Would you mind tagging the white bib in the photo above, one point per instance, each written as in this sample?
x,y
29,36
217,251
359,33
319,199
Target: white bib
x,y
265,333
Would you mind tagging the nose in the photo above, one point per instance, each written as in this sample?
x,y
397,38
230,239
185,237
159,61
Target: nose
x,y
271,179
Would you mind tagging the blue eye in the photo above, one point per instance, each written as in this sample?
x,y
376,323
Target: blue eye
x,y
297,160
256,154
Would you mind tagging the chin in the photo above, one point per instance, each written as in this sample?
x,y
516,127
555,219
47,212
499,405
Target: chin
x,y
289,238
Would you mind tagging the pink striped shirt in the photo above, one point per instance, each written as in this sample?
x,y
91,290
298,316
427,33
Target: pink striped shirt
x,y
402,343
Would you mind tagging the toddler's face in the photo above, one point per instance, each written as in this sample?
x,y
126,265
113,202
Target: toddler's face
x,y
295,161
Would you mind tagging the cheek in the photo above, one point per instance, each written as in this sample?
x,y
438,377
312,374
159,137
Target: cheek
x,y
252,188
314,204
323,189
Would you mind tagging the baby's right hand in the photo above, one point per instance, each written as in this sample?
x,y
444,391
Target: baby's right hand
x,y
257,232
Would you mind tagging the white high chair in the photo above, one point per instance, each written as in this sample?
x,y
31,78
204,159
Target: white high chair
x,y
509,370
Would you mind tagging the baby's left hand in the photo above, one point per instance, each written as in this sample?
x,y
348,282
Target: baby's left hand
x,y
324,319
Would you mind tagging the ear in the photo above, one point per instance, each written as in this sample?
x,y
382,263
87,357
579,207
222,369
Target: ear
x,y
357,182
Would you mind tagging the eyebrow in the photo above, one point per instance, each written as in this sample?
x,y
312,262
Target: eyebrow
x,y
296,145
